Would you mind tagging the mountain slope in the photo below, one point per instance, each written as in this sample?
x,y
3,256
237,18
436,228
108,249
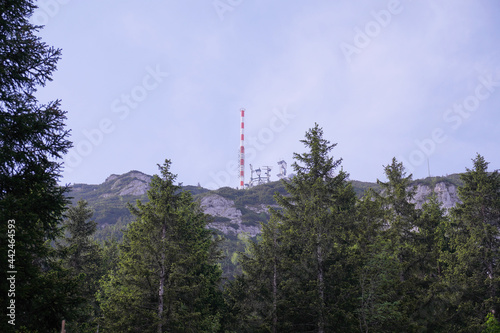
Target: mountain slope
x,y
109,199
233,211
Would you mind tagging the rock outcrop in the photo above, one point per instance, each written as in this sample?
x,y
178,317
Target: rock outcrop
x,y
227,217
446,194
132,183
220,207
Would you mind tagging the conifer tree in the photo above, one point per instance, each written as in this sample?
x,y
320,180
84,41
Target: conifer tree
x,y
83,257
253,298
167,277
400,213
303,257
399,238
428,305
472,270
379,305
33,140
377,269
316,221
80,248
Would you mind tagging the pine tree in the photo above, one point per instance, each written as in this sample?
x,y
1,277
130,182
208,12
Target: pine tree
x,y
167,277
33,141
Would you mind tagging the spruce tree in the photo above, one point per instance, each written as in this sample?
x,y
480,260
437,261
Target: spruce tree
x,y
306,278
83,257
80,249
167,277
472,270
376,267
253,297
400,233
316,221
429,304
33,140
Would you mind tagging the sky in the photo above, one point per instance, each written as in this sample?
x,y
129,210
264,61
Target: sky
x,y
145,81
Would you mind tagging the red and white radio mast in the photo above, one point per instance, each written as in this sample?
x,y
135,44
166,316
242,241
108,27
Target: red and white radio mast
x,y
242,150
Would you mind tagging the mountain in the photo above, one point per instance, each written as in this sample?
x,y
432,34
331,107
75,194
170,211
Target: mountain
x,y
233,211
110,199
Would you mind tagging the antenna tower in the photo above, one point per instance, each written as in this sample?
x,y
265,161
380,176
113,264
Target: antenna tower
x,y
242,150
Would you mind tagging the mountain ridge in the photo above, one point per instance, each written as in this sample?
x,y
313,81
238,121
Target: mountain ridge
x,y
233,211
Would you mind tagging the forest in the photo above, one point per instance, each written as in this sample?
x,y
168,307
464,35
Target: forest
x,y
328,260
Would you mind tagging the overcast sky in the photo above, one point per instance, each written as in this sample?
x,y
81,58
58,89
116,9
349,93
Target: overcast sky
x,y
143,81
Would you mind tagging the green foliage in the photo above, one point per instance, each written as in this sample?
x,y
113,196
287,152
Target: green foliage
x,y
453,179
492,325
84,259
109,205
33,140
472,273
379,305
167,276
261,195
333,255
360,188
327,261
113,231
292,274
112,214
258,195
231,247
413,240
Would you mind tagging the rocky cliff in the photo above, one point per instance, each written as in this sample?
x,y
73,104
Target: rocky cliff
x,y
446,193
231,222
134,183
233,211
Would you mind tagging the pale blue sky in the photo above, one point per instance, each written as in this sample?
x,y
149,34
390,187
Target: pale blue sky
x,y
145,81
